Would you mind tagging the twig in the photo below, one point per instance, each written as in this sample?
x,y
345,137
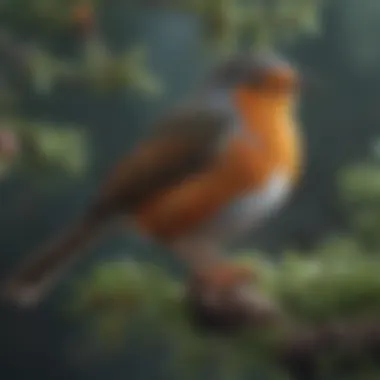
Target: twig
x,y
303,347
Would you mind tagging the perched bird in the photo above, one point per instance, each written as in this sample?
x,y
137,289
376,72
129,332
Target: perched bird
x,y
214,167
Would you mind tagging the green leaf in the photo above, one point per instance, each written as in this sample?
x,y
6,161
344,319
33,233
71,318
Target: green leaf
x,y
136,73
50,151
43,71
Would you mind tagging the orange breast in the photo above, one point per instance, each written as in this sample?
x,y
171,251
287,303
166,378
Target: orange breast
x,y
243,166
271,119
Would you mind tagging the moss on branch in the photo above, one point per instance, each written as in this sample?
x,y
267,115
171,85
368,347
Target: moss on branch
x,y
331,300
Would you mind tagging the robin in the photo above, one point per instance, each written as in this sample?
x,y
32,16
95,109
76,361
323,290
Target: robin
x,y
217,165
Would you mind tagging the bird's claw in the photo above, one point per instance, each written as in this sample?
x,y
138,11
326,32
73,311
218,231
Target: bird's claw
x,y
226,298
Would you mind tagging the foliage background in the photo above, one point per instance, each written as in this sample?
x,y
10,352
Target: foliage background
x,y
341,125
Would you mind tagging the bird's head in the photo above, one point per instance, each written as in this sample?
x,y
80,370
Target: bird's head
x,y
259,73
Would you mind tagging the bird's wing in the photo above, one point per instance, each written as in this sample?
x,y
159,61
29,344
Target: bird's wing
x,y
184,142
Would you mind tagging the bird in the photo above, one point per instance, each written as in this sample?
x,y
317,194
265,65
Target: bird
x,y
216,165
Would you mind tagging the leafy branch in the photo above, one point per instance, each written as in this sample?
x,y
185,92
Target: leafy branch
x,y
329,301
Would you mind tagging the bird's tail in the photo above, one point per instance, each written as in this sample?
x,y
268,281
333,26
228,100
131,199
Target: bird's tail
x,y
37,276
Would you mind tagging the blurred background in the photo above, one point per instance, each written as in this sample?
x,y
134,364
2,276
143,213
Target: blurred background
x,y
81,81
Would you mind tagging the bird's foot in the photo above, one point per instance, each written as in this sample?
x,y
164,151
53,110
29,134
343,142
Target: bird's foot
x,y
225,275
224,297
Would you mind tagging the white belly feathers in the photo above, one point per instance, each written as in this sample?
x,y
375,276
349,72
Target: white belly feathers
x,y
249,210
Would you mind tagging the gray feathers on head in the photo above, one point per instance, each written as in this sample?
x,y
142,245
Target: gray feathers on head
x,y
244,67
